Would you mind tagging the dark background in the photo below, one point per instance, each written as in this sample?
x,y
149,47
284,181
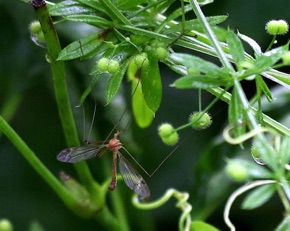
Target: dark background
x,y
25,76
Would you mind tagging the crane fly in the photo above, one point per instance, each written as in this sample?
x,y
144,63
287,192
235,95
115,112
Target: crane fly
x,y
131,177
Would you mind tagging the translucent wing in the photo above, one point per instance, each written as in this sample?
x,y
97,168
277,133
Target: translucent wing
x,y
133,179
77,154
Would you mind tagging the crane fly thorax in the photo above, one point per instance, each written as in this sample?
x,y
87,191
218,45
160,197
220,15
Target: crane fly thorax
x,y
114,144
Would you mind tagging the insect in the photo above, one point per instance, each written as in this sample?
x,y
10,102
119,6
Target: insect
x,y
131,177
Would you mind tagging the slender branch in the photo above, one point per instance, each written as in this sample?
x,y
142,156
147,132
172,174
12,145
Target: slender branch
x,y
42,170
60,88
203,21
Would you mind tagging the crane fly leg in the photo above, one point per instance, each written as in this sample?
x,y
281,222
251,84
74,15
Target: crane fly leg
x,y
113,184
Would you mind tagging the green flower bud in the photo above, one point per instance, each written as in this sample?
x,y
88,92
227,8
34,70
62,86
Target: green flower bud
x,y
161,53
140,59
103,64
168,134
113,66
277,27
200,120
40,37
157,43
36,34
5,225
236,171
257,155
286,58
35,27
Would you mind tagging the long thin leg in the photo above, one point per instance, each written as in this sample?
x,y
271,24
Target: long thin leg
x,y
113,184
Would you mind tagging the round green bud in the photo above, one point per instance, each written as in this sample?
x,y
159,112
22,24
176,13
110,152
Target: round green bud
x,y
200,120
113,66
157,43
154,42
40,37
103,64
236,171
35,27
168,134
257,155
277,27
286,58
140,59
146,64
161,53
5,225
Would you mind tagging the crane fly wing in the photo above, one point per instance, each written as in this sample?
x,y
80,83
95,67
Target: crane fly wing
x,y
133,179
77,154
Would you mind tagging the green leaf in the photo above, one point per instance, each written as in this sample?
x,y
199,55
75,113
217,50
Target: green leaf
x,y
127,4
202,226
258,196
198,81
143,115
115,82
236,48
255,46
284,225
284,151
267,154
195,25
263,87
265,61
196,63
35,226
93,20
151,83
114,13
81,47
278,77
237,114
254,171
68,8
146,33
175,14
95,5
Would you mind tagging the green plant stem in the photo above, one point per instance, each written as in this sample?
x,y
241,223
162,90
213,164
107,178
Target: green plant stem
x,y
10,106
271,43
41,169
226,97
284,199
61,94
108,220
203,21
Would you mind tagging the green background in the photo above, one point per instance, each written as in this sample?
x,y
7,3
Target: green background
x,y
25,77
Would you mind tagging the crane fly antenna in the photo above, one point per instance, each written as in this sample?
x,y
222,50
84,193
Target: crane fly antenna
x,y
123,113
92,123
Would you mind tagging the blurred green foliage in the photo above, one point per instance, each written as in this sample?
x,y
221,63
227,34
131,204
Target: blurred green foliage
x,y
197,166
